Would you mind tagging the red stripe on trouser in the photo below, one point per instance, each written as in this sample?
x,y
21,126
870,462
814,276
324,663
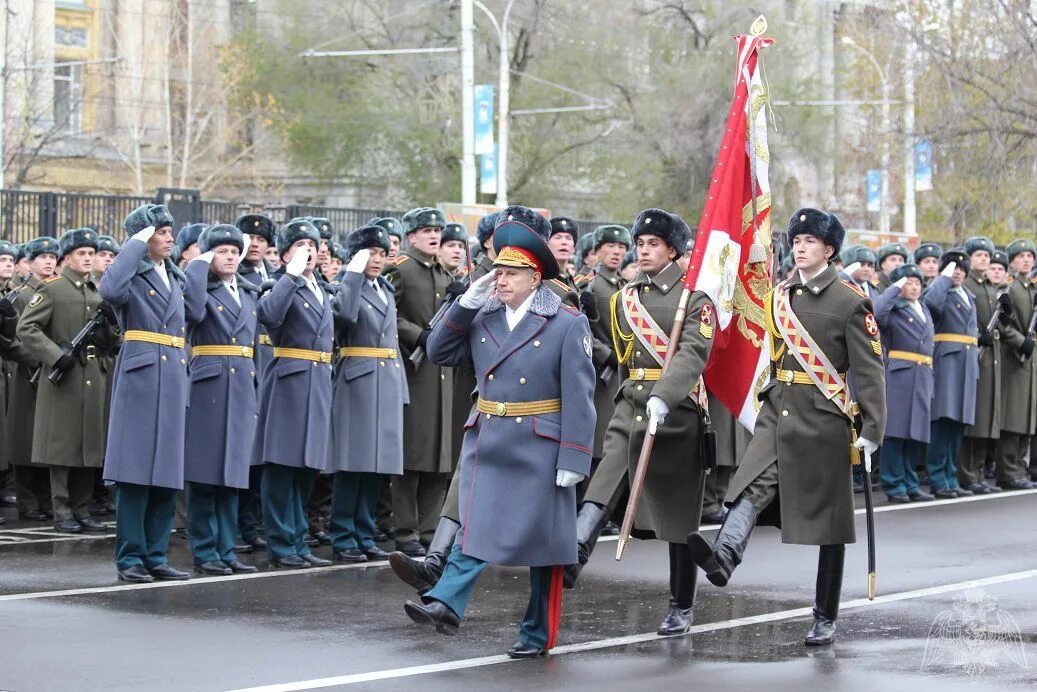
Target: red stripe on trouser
x,y
554,606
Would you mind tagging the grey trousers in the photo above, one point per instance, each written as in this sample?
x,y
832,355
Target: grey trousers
x,y
417,500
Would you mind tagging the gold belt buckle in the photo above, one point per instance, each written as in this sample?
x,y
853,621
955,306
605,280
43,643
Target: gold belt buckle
x,y
502,408
392,353
639,374
244,351
325,357
786,376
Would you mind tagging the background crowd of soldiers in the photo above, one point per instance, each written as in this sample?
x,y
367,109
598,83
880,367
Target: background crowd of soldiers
x,y
957,337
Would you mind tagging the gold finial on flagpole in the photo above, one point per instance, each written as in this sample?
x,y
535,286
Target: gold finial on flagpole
x,y
759,26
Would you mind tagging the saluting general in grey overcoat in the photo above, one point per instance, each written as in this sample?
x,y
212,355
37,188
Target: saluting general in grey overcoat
x,y
370,393
150,392
512,512
221,420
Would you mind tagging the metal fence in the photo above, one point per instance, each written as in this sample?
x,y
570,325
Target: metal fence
x,y
27,215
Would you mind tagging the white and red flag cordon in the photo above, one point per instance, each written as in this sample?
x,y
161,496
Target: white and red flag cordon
x,y
730,259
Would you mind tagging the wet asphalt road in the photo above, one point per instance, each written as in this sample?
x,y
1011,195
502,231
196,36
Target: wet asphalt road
x,y
68,625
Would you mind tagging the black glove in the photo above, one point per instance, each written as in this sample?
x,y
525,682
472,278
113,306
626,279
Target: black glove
x,y
456,289
7,309
986,338
109,313
588,306
65,363
1027,348
1005,301
423,337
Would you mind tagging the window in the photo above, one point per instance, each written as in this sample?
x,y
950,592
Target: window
x,y
68,97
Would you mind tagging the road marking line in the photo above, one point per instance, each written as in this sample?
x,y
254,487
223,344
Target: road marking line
x,y
613,642
944,503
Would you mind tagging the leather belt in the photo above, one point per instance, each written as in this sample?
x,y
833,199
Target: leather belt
x,y
366,352
519,408
153,338
302,354
264,340
797,377
913,357
957,338
645,374
241,351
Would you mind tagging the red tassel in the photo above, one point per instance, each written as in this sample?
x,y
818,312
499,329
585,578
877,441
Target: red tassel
x,y
554,606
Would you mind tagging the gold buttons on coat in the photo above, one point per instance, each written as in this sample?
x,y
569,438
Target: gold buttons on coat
x,y
151,292
233,370
306,305
799,291
233,340
785,412
490,377
522,380
639,418
183,361
88,383
164,357
518,420
536,343
640,387
482,340
219,308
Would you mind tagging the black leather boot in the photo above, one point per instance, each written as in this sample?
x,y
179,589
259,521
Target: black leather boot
x,y
719,560
590,521
826,600
423,575
683,574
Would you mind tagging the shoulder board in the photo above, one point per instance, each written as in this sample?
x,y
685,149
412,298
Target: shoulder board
x,y
569,309
854,289
561,284
461,272
1008,280
52,279
400,260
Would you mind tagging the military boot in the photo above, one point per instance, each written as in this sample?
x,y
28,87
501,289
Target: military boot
x,y
719,560
826,599
590,521
683,575
423,575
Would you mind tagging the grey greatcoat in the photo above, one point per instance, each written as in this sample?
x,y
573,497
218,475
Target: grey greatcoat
x,y
369,393
264,351
512,512
956,367
221,420
149,395
295,397
909,385
986,402
1018,376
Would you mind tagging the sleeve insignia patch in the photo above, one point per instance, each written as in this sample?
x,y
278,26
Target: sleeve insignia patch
x,y
36,300
877,348
587,346
871,325
706,321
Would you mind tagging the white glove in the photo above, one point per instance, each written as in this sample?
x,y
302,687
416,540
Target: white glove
x,y
851,268
246,241
899,283
948,271
144,235
204,257
657,412
297,263
479,292
359,262
567,479
868,448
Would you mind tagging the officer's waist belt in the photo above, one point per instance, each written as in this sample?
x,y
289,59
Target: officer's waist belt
x,y
365,352
264,340
302,354
956,338
646,374
913,357
519,408
153,338
797,377
213,350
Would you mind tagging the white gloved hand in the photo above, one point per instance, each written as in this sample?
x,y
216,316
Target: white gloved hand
x,y
899,283
144,235
657,412
948,271
358,264
297,264
851,269
204,257
246,242
567,479
867,448
479,292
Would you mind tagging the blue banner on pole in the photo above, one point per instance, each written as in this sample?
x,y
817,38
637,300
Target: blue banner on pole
x,y
923,165
488,172
874,190
483,118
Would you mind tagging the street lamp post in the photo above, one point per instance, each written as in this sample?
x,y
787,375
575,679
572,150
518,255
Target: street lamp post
x,y
503,99
884,156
